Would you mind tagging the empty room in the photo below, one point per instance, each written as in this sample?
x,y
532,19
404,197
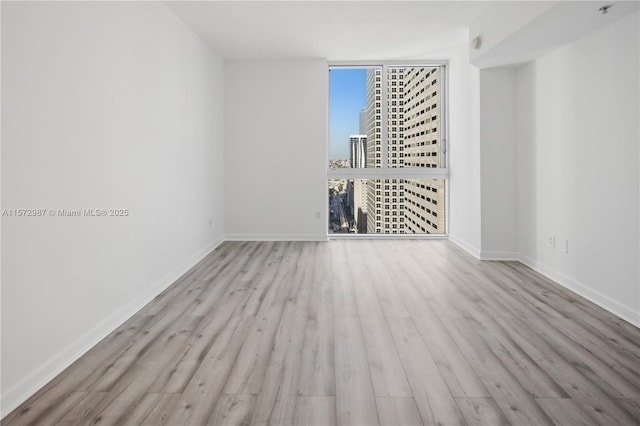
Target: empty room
x,y
320,213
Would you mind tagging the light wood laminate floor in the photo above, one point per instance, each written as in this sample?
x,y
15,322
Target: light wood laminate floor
x,y
353,332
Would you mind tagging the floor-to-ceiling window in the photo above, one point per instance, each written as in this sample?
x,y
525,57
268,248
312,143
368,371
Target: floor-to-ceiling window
x,y
387,171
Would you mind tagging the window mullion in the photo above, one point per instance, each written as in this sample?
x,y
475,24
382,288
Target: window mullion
x,y
444,118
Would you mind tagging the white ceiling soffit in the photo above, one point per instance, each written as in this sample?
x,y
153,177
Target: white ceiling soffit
x,y
334,30
543,27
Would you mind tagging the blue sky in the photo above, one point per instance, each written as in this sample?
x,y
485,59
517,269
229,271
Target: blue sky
x,y
347,96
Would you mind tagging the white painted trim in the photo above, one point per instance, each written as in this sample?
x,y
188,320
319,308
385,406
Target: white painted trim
x,y
389,173
584,290
465,246
275,237
30,384
499,255
387,237
379,63
605,302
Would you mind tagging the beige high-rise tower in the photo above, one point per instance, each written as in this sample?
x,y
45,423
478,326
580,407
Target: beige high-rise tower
x,y
424,200
414,127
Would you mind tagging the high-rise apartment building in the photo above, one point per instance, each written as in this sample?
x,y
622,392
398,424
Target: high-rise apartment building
x,y
373,112
384,197
358,151
358,158
424,202
397,206
362,122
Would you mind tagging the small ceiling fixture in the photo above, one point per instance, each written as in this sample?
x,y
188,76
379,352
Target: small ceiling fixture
x,y
476,42
605,9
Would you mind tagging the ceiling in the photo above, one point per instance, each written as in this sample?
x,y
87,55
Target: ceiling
x,y
335,30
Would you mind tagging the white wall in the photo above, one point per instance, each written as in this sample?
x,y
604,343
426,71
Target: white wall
x,y
275,149
498,133
578,163
500,22
518,32
526,161
464,152
104,105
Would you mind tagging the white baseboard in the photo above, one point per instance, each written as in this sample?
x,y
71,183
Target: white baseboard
x,y
465,246
275,237
499,255
26,387
605,302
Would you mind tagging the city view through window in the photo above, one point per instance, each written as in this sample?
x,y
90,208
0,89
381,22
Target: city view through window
x,y
387,152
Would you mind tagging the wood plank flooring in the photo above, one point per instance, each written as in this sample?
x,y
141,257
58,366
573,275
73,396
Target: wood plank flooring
x,y
353,332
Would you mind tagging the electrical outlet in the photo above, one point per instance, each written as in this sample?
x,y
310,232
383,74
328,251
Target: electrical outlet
x,y
564,248
210,222
551,241
318,215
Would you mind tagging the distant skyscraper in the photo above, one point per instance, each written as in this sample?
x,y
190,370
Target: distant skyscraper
x,y
363,121
358,157
358,151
